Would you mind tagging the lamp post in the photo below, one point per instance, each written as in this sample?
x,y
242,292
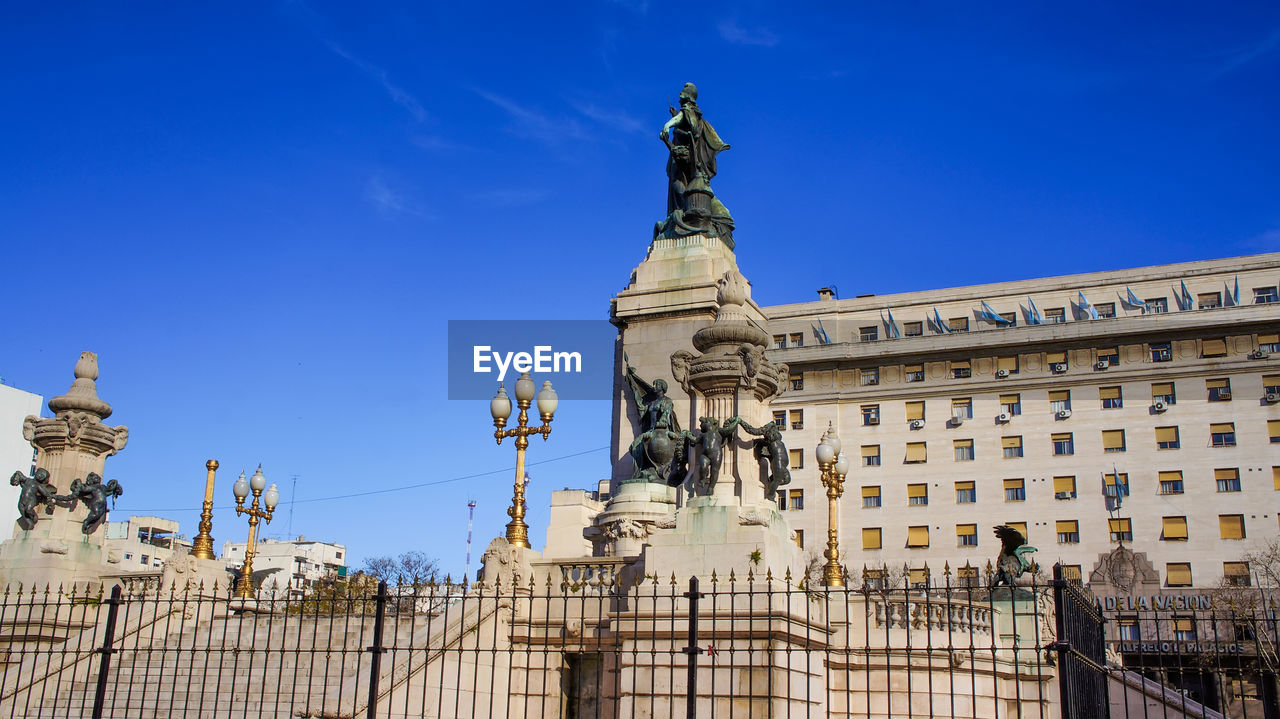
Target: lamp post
x,y
500,408
241,489
833,466
202,545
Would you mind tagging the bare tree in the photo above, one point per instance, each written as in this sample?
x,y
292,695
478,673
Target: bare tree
x,y
1244,608
410,568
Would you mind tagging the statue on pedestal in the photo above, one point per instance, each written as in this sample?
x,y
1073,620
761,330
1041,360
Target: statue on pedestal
x,y
660,440
772,454
1012,562
35,491
711,438
692,208
94,494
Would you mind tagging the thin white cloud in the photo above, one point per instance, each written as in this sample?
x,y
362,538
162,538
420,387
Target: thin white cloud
x,y
615,119
389,201
398,95
535,124
732,32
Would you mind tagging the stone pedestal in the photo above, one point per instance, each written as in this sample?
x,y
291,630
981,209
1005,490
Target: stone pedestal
x,y
715,533
622,529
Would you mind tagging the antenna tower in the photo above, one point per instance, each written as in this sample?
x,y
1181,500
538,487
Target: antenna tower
x,y
466,568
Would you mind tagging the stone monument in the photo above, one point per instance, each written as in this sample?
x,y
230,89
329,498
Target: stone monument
x,y
58,538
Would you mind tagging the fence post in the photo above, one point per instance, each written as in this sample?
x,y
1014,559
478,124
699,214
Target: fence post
x,y
375,660
693,650
100,692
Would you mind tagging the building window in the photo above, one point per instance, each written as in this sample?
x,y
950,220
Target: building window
x,y
1163,392
870,497
1110,488
800,538
868,334
1167,438
870,415
967,576
1064,487
1106,309
1012,446
1063,445
913,373
1184,628
1158,305
1068,531
797,383
1055,315
961,369
1161,352
966,493
966,535
1271,384
779,342
1057,361
1011,318
1236,574
1072,573
1015,490
869,377
1022,529
1231,526
915,411
782,500
918,537
912,329
1275,478
1011,404
1171,482
870,455
962,408
918,578
1227,480
797,499
1265,295
871,538
1219,389
780,419
796,458
1269,343
1173,529
1109,357
958,324
1007,364
797,419
917,495
797,339
1060,401
916,453
964,450
1128,629
873,579
1273,430
1111,397
1222,434
1113,440
128,555
145,559
1213,348
1209,300
1121,530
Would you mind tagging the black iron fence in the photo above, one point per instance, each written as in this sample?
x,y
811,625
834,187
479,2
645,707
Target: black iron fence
x,y
595,638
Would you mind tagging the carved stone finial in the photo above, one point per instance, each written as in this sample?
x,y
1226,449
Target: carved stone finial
x,y
83,395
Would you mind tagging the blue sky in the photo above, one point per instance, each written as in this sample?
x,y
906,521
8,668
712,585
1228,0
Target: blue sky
x,y
261,216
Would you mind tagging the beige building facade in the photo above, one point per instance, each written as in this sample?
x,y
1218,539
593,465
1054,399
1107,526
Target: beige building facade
x,y
955,419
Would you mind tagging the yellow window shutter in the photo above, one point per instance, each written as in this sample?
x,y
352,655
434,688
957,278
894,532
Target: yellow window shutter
x,y
1275,477
1232,473
914,368
919,576
1020,526
1118,525
1268,339
1235,569
1109,392
966,530
1184,624
1061,437
1060,395
1161,389
870,450
1273,428
960,364
1231,526
915,410
1064,484
1009,442
1174,527
1013,484
1067,526
1177,574
962,486
1270,380
796,458
871,538
1166,434
870,491
1008,399
1055,357
918,536
1170,476
1113,439
963,443
1215,348
917,490
916,452
1222,428
1217,383
1007,363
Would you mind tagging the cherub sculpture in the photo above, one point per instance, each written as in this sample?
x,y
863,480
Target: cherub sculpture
x,y
1012,562
94,494
35,491
711,439
772,453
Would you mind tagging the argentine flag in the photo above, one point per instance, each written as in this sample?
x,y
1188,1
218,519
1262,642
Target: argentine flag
x,y
1087,308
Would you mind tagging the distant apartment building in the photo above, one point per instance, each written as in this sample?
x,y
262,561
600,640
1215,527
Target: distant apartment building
x,y
299,563
143,543
16,453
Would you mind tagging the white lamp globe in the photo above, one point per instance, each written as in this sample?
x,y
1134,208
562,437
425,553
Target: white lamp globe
x,y
547,399
500,405
257,481
241,487
524,388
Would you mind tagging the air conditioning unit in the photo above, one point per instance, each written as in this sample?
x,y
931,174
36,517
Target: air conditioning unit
x,y
1002,373
1058,367
1062,495
1003,417
1100,365
1159,406
1062,413
917,424
1258,354
1224,395
873,419
957,421
1271,398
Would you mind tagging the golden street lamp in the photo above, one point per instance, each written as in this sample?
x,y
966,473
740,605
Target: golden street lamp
x,y
500,408
272,497
202,545
833,466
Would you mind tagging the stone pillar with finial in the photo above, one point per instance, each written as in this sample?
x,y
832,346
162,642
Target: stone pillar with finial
x,y
58,537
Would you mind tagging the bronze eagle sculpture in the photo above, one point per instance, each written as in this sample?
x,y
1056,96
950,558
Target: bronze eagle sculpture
x,y
1013,561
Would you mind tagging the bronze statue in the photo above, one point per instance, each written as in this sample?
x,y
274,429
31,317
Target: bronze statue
x,y
1012,562
693,144
36,490
772,454
711,438
94,494
659,439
